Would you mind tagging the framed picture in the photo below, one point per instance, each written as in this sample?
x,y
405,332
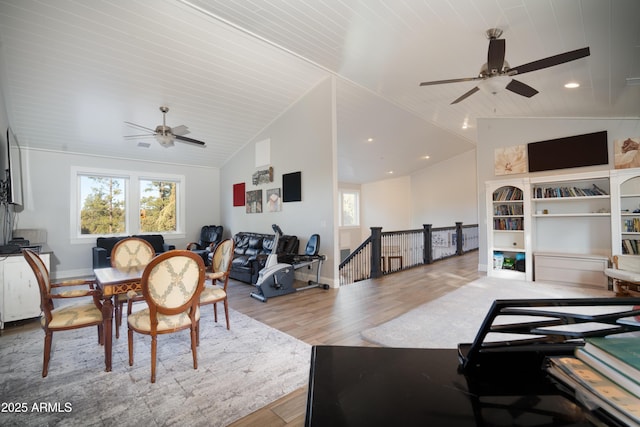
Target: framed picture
x,y
508,160
274,201
238,194
254,201
292,187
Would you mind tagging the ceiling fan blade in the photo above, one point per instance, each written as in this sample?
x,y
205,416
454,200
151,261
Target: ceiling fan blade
x,y
495,56
146,135
551,61
521,88
439,82
180,130
140,127
466,95
191,140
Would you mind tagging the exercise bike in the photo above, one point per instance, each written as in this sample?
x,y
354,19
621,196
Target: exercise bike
x,y
277,278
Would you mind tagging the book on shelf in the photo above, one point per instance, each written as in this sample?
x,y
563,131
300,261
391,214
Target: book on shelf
x,y
595,389
630,246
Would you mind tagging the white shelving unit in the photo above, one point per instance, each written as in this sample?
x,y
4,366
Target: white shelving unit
x,y
625,206
571,227
508,212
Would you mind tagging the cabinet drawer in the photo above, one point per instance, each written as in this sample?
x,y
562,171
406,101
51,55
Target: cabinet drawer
x,y
588,270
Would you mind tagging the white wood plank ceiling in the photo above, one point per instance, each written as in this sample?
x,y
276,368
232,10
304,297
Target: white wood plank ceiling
x,y
71,72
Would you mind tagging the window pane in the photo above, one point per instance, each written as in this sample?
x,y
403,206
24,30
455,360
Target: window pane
x,y
350,215
157,206
103,209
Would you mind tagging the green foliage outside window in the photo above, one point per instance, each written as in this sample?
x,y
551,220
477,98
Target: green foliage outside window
x,y
103,208
157,206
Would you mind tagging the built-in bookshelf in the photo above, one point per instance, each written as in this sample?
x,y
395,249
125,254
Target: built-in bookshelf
x,y
626,232
506,231
560,225
572,214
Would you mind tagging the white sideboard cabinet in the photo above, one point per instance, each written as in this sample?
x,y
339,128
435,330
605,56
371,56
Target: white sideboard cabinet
x,y
19,293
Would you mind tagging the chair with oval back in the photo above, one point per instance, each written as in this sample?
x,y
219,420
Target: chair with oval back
x,y
220,267
129,253
171,286
65,317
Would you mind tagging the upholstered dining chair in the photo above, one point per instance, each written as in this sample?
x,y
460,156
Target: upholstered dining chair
x,y
220,266
171,286
129,253
64,317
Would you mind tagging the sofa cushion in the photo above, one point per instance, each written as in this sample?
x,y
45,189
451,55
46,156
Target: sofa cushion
x,y
156,240
107,243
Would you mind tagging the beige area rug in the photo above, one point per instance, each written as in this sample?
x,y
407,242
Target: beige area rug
x,y
239,371
456,317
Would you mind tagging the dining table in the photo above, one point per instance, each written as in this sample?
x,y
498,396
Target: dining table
x,y
111,282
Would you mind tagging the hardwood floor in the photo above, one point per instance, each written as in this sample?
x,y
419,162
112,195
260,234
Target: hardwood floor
x,y
337,316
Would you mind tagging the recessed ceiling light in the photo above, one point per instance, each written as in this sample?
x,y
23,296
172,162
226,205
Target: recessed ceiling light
x,y
370,140
390,172
572,85
426,157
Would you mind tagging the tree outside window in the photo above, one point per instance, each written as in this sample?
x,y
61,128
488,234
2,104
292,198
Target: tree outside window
x,y
103,208
157,206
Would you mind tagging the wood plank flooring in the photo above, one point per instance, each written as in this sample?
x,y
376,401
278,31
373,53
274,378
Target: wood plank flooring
x,y
337,316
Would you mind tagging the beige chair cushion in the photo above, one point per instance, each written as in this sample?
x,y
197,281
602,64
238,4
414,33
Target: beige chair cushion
x,y
212,293
141,320
76,315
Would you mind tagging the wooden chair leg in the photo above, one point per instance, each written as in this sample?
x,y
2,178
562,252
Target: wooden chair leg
x,y
154,348
215,312
100,334
118,315
47,353
194,350
226,313
130,339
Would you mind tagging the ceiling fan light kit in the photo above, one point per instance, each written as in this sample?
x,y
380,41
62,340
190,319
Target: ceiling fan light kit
x,y
496,74
165,135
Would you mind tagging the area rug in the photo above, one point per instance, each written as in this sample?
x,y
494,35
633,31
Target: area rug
x,y
456,317
239,371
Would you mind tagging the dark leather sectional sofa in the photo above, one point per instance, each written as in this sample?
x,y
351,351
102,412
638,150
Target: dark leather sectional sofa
x,y
251,251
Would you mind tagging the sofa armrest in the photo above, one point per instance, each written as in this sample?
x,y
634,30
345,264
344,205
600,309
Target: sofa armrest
x,y
100,257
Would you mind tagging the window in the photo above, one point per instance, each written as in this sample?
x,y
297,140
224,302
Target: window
x,y
349,208
121,203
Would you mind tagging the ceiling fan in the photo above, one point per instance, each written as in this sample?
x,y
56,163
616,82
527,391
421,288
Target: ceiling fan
x,y
495,73
164,134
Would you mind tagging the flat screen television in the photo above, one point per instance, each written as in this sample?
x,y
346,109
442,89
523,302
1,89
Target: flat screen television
x,y
570,152
292,187
12,168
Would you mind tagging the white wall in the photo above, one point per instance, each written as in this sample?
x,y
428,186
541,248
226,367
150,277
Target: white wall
x,y
385,204
301,139
500,133
445,193
46,182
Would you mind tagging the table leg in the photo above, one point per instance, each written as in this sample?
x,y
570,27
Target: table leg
x,y
107,316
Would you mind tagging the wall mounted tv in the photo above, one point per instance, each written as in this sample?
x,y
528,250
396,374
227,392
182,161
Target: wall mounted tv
x,y
12,168
570,152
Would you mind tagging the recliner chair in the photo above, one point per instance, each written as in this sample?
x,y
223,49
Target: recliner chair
x,y
210,236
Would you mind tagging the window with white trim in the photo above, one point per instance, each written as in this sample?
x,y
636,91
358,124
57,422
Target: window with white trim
x,y
349,208
120,203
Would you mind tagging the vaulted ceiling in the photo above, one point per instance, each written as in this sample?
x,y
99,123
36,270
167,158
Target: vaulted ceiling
x,y
72,72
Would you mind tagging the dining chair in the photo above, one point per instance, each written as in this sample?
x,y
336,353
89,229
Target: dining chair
x,y
129,253
68,316
171,286
220,267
